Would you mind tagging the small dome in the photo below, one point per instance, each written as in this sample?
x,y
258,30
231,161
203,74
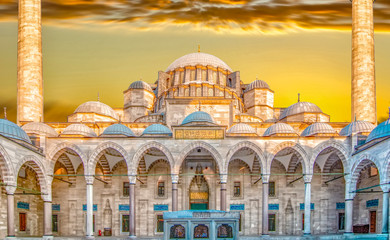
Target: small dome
x,y
382,130
279,128
157,129
79,129
198,58
241,128
257,84
140,85
39,129
118,129
300,107
357,127
318,128
97,107
11,130
198,116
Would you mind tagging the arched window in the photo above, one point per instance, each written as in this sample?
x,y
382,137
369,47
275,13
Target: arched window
x,y
201,231
177,231
225,231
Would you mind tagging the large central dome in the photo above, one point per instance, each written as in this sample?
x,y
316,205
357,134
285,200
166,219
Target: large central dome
x,y
202,59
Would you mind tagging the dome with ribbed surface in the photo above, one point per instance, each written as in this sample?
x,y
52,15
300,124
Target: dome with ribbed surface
x,y
300,107
382,130
357,127
279,128
157,129
318,128
11,130
140,85
194,59
257,84
241,128
39,129
118,129
97,107
198,116
79,129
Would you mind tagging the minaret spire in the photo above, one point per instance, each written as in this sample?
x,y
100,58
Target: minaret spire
x,y
363,89
30,82
5,113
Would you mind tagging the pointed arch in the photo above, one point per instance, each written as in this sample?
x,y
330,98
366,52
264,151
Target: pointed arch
x,y
297,149
341,152
198,144
145,147
241,145
56,151
363,161
39,169
99,151
6,167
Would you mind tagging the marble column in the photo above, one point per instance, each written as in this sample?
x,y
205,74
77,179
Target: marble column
x,y
47,223
132,232
175,200
90,234
349,196
265,179
307,178
223,191
385,213
10,215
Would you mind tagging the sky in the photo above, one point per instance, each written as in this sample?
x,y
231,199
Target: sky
x,y
93,47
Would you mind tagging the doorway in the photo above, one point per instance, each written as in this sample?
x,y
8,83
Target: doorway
x,y
22,222
199,191
372,221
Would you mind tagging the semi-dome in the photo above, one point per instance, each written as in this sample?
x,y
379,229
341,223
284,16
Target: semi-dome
x,y
300,107
279,128
198,58
118,129
157,129
140,85
357,127
382,130
241,128
39,129
11,130
318,128
198,116
97,107
257,84
79,129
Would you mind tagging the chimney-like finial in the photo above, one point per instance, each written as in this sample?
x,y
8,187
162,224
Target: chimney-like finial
x,y
120,118
5,113
355,117
389,112
299,97
98,97
198,48
199,106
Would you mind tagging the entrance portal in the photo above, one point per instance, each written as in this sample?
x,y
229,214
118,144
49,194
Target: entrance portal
x,y
199,191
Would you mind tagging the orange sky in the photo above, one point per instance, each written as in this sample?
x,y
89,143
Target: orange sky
x,y
102,46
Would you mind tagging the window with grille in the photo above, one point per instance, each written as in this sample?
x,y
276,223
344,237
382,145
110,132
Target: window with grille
x,y
160,223
237,189
126,189
161,189
271,189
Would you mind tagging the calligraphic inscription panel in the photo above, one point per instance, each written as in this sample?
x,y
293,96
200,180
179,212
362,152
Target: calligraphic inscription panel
x,y
199,134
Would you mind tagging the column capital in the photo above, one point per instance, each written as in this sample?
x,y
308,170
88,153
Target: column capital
x,y
47,198
223,177
10,189
175,178
265,178
307,178
89,179
385,187
133,179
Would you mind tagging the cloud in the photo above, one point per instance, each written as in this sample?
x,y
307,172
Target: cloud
x,y
217,15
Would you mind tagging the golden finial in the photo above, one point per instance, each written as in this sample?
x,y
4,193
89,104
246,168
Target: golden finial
x,y
299,97
198,48
98,97
199,106
5,112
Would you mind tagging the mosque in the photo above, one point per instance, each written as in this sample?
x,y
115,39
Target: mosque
x,y
196,139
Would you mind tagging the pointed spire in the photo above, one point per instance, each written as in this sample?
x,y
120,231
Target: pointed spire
x,y
299,97
5,113
198,48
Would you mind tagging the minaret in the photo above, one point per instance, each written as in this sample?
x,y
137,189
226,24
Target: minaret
x,y
363,62
30,83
